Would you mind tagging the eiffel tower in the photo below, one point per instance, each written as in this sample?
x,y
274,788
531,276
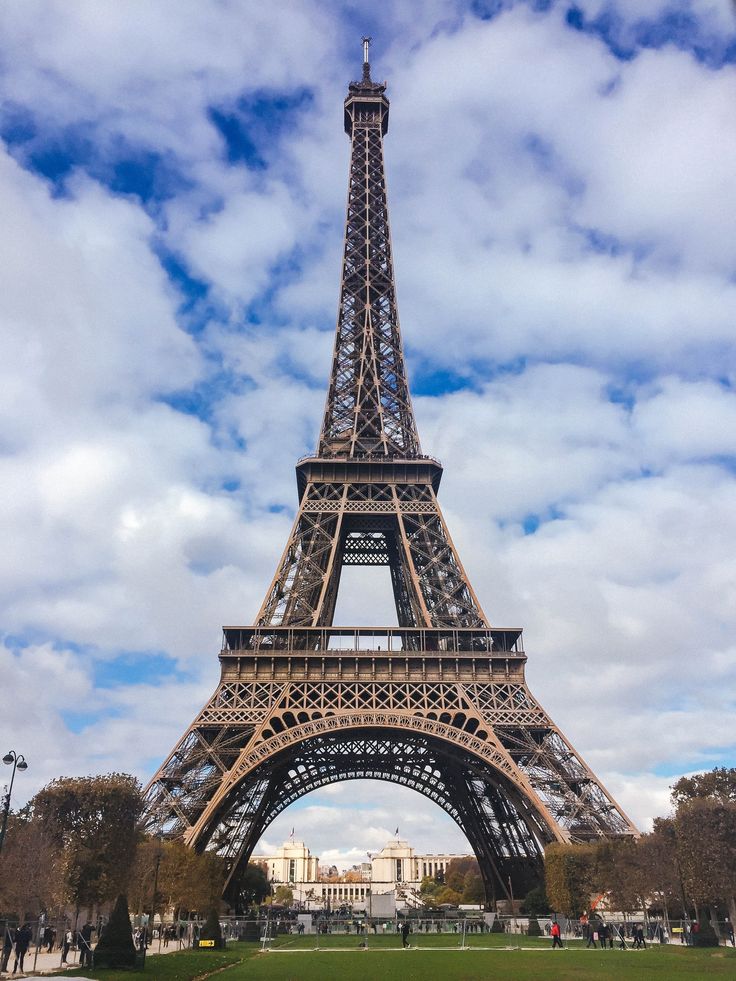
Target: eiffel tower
x,y
439,703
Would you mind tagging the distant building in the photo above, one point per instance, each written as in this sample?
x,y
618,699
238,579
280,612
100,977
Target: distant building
x,y
396,864
395,869
292,864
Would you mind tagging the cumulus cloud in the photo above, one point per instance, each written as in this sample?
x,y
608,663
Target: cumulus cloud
x,y
172,185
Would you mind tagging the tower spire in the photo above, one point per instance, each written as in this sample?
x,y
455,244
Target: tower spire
x,y
368,410
366,60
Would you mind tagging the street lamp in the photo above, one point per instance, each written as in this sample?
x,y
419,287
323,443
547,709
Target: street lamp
x,y
19,763
155,892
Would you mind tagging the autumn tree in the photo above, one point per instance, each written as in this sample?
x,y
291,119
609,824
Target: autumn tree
x,y
92,823
186,881
621,874
705,828
283,896
428,890
658,851
30,870
718,784
473,889
570,872
706,847
461,883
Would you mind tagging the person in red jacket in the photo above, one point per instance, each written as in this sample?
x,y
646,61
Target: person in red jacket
x,y
556,935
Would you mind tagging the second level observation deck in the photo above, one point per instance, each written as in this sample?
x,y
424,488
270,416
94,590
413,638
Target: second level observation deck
x,y
369,641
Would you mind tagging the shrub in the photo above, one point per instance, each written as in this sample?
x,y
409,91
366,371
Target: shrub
x,y
534,928
116,948
211,929
497,926
705,935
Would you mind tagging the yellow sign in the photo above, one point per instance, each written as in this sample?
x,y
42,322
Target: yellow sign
x,y
206,943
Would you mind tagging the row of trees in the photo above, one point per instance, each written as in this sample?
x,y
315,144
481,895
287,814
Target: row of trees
x,y
461,883
76,844
686,865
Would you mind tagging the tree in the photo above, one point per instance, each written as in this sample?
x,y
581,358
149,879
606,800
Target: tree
x,y
570,877
283,896
473,889
428,890
187,880
455,880
658,858
254,885
463,877
30,879
620,873
705,829
717,784
92,822
536,902
445,896
706,847
115,947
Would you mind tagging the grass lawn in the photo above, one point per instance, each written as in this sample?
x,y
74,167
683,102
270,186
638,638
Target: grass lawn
x,y
183,966
379,963
436,957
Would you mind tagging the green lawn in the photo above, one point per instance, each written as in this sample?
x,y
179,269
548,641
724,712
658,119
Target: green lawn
x,y
184,966
384,960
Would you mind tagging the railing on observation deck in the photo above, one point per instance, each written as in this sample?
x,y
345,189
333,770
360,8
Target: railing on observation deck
x,y
375,640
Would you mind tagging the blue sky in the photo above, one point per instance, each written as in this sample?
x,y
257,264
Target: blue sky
x,y
172,180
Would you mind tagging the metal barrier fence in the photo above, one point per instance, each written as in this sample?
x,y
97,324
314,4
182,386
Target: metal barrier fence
x,y
60,936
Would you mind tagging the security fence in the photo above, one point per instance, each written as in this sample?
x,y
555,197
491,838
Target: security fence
x,y
59,941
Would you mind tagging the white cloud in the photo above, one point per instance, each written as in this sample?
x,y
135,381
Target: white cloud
x,y
551,205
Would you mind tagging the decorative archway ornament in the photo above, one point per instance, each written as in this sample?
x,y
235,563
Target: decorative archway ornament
x,y
439,703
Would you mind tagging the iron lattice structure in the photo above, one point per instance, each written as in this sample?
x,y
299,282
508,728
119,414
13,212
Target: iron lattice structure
x,y
440,703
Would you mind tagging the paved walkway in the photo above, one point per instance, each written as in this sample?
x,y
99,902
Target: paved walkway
x,y
50,964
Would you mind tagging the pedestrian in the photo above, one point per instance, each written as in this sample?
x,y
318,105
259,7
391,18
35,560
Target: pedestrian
x,y
68,939
8,942
405,931
603,935
22,943
556,935
85,944
729,933
592,935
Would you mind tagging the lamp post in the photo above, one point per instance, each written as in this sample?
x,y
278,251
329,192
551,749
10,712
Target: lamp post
x,y
513,910
155,893
19,763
